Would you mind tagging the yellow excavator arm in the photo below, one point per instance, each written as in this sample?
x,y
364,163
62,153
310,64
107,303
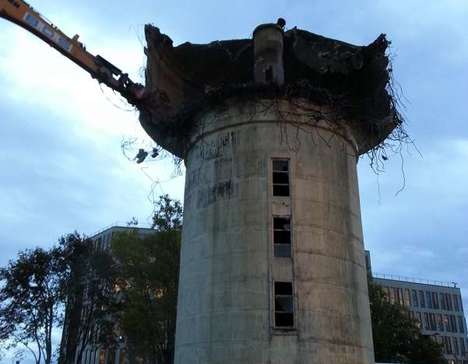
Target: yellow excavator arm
x,y
22,14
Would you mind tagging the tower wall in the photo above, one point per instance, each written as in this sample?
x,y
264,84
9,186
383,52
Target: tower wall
x,y
226,306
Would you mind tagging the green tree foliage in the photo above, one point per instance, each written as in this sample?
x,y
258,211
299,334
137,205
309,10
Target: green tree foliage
x,y
88,295
41,286
31,301
148,283
149,278
167,214
397,337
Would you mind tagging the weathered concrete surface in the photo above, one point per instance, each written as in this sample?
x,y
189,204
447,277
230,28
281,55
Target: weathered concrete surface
x,y
225,308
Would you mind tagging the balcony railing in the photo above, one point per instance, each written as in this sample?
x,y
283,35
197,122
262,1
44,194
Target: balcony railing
x,y
414,280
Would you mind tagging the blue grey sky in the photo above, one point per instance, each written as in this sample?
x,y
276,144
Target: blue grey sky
x,y
61,164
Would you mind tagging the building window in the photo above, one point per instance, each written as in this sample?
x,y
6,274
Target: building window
x,y
122,357
387,293
422,302
414,298
407,297
432,322
111,356
269,74
461,326
446,323
102,356
419,318
284,305
435,300
442,301
455,303
451,323
280,177
455,346
428,299
397,296
448,344
448,297
282,236
462,347
426,321
440,322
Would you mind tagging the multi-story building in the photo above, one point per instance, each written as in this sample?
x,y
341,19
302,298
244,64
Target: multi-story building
x,y
94,353
437,306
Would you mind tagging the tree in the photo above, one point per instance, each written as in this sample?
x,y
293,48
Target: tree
x,y
149,275
167,215
397,337
31,301
88,293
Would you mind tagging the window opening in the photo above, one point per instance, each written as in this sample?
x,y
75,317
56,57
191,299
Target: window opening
x,y
284,306
429,299
455,302
282,236
269,74
461,326
435,300
414,300
421,299
281,177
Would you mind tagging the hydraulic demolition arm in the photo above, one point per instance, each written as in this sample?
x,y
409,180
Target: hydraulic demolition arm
x,y
22,14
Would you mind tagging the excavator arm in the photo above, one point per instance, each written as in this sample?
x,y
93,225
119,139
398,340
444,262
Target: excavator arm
x,y
22,14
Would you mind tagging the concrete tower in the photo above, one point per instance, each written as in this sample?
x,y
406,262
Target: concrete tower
x,y
270,129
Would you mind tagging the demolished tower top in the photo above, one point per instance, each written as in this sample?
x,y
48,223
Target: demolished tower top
x,y
186,80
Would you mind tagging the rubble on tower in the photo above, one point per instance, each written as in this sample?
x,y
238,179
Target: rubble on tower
x,y
190,78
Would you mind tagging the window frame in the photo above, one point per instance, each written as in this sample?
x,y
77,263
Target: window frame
x,y
293,313
414,298
456,302
288,217
435,300
422,299
288,173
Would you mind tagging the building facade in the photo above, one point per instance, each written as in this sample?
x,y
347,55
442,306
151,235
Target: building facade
x,y
438,308
93,353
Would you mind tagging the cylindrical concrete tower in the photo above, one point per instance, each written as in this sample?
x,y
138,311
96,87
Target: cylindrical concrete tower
x,y
272,262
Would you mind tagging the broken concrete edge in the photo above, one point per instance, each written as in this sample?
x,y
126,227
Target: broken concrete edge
x,y
174,133
170,115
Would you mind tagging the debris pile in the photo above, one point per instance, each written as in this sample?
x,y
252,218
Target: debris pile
x,y
190,78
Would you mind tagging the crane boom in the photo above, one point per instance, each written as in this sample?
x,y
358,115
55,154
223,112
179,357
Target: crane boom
x,y
22,14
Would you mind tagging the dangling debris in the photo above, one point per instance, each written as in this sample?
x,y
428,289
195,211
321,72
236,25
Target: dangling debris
x,y
141,156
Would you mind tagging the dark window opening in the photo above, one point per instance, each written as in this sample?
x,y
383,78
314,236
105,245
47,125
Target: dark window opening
x,y
461,326
280,177
435,300
284,305
429,299
269,74
414,299
455,303
282,236
421,299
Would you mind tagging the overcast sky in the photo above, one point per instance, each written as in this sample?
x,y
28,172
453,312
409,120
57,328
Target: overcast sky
x,y
62,168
